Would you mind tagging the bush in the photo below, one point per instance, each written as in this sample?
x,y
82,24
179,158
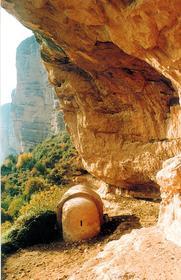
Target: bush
x,y
42,201
57,175
12,189
25,161
40,166
9,165
15,206
6,201
5,227
42,228
34,184
5,216
54,149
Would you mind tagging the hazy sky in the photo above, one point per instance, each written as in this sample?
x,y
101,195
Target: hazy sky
x,y
12,33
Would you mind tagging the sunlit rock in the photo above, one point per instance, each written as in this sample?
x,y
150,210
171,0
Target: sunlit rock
x,y
33,114
169,178
115,69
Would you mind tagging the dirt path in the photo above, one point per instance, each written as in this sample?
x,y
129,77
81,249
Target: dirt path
x,y
58,260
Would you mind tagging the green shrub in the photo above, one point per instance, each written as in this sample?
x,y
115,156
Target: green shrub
x,y
5,216
42,228
54,149
25,161
51,162
5,226
40,166
6,200
9,165
12,189
15,206
42,201
34,184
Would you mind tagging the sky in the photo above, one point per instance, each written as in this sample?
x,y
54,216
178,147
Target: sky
x,y
12,34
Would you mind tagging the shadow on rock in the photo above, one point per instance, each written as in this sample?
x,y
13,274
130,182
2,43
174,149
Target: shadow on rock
x,y
116,226
44,229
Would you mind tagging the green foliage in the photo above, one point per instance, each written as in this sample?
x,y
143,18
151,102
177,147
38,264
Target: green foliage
x,y
62,172
33,183
6,201
5,216
40,167
6,225
12,189
42,201
42,228
54,149
25,161
15,206
9,165
50,163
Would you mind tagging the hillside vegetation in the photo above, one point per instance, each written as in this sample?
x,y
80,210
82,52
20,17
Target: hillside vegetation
x,y
33,182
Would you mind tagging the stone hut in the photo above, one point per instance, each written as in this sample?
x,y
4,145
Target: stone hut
x,y
80,213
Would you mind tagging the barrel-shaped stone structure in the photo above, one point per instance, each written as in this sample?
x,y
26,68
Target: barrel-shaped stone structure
x,y
80,213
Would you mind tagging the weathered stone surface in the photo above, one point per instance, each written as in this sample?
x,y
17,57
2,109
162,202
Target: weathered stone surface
x,y
169,178
115,68
34,112
33,102
147,253
7,139
142,254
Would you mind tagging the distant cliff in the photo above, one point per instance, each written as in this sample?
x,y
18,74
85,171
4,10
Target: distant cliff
x,y
7,140
33,114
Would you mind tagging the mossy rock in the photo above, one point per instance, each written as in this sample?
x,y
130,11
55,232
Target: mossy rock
x,y
42,228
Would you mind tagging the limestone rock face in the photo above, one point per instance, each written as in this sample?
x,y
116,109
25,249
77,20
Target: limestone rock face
x,y
115,68
34,112
33,101
169,178
142,254
7,139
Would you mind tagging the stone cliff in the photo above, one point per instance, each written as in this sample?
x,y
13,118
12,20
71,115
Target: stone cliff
x,y
33,114
7,140
115,68
33,102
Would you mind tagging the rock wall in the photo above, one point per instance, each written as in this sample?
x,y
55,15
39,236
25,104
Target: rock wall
x,y
115,68
169,178
146,253
7,139
34,112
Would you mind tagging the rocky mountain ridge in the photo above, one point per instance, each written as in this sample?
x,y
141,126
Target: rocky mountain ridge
x,y
33,114
7,140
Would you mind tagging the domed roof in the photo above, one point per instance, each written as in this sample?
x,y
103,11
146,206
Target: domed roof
x,y
80,191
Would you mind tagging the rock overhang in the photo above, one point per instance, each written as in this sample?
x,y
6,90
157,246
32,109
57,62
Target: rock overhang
x,y
116,73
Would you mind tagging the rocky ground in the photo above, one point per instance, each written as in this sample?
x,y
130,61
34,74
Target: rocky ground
x,y
61,261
